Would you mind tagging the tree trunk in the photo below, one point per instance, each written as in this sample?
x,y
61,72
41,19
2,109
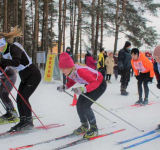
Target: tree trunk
x,y
118,23
101,41
16,11
51,44
23,21
97,29
36,29
64,23
78,29
93,26
5,16
46,26
60,28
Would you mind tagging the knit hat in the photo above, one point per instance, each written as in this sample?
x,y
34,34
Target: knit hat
x,y
65,61
127,44
135,51
2,42
157,51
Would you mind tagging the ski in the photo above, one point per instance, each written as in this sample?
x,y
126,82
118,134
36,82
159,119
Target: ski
x,y
141,142
135,105
137,137
8,133
48,141
82,140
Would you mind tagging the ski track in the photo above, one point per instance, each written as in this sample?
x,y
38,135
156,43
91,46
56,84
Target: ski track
x,y
54,108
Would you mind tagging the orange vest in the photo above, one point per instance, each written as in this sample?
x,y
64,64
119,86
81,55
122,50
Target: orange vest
x,y
143,65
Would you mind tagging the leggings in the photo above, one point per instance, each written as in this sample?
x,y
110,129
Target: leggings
x,y
84,105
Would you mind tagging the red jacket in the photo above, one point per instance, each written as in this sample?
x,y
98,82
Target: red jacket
x,y
90,62
87,77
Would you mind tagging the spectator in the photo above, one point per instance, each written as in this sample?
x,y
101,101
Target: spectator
x,y
124,64
116,65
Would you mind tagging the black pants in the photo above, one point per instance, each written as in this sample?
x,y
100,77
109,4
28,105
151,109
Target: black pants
x,y
108,77
84,105
116,72
4,91
125,78
143,79
26,89
102,71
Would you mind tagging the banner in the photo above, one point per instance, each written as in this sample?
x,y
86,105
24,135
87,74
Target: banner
x,y
49,67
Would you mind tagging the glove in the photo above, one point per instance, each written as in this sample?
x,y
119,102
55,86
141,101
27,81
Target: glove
x,y
62,88
150,79
80,90
137,77
158,86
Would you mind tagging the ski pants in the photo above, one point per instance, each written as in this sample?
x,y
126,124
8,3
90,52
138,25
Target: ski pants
x,y
7,88
143,79
125,78
26,89
84,105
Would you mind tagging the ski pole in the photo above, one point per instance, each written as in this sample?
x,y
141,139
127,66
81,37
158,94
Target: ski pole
x,y
92,109
110,112
22,97
154,94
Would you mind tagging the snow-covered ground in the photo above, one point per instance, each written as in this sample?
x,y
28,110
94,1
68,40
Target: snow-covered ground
x,y
54,107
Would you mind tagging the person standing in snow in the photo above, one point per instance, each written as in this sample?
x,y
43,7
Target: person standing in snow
x,y
149,56
109,62
143,69
100,64
15,56
68,50
116,65
124,64
89,61
11,113
156,55
94,87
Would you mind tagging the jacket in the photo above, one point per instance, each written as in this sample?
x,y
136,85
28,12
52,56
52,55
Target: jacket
x,y
143,65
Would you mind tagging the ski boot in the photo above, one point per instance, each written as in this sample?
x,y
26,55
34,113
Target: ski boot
x,y
158,128
26,123
145,102
92,132
11,115
82,129
139,101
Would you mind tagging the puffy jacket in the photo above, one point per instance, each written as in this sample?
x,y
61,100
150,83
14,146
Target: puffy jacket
x,y
143,65
90,62
124,59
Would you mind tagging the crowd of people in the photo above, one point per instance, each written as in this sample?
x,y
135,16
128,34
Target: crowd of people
x,y
95,75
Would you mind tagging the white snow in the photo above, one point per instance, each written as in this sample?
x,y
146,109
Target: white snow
x,y
54,107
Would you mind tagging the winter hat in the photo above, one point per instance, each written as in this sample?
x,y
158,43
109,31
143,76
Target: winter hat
x,y
101,49
135,51
2,42
68,48
157,51
90,52
65,61
127,44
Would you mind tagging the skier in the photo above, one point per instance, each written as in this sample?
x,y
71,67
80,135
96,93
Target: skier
x,y
14,55
156,55
11,114
95,86
143,69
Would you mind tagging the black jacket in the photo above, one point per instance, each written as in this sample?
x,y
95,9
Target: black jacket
x,y
124,59
19,57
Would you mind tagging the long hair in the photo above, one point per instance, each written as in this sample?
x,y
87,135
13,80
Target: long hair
x,y
16,32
